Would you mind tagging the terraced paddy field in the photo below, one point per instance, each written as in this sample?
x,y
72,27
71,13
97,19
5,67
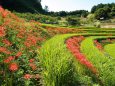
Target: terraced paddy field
x,y
79,59
32,54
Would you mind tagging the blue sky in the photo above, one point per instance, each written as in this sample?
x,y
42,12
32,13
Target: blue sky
x,y
70,5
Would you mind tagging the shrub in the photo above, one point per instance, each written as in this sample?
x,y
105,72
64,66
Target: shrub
x,y
73,21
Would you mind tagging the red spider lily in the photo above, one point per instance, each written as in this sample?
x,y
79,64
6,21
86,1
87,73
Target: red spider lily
x,y
6,61
8,43
4,50
4,14
27,76
9,59
98,45
30,41
31,60
2,31
13,67
21,33
18,54
33,66
74,47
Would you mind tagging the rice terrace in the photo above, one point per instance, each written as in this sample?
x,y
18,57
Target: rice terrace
x,y
44,44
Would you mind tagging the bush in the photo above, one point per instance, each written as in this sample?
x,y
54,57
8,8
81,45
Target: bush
x,y
38,17
73,21
97,24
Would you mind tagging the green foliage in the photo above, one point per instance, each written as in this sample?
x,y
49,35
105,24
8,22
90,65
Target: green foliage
x,y
104,11
38,17
77,13
101,13
73,21
33,6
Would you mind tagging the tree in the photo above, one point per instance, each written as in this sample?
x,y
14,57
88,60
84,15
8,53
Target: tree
x,y
101,13
62,13
33,6
104,11
93,9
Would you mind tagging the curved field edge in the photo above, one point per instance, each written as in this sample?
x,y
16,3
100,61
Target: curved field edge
x,y
59,68
110,49
103,63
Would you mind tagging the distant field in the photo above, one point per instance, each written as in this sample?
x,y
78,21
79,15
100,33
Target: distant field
x,y
108,25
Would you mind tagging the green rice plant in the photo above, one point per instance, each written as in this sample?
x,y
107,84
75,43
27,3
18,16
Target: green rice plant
x,y
59,68
57,63
110,49
104,64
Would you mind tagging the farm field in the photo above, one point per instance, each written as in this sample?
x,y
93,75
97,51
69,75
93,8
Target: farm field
x,y
34,54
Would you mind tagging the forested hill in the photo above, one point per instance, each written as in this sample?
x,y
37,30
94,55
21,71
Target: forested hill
x,y
33,6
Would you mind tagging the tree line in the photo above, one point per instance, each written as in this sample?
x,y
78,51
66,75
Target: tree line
x,y
101,11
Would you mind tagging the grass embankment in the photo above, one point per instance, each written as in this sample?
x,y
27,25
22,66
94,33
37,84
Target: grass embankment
x,y
104,64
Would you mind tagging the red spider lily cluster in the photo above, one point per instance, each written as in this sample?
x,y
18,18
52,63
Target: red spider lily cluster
x,y
2,31
55,30
29,76
108,40
4,50
7,42
4,13
98,45
18,46
73,44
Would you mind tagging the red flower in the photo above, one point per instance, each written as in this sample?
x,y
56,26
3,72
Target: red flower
x,y
13,67
9,59
2,31
4,50
98,45
27,76
33,66
18,54
6,61
5,41
4,14
30,41
73,44
31,60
